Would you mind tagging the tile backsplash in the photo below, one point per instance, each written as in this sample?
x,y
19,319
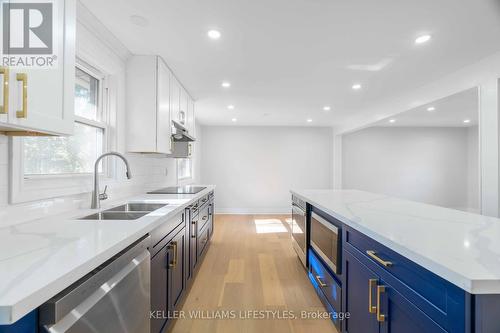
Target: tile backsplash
x,y
149,172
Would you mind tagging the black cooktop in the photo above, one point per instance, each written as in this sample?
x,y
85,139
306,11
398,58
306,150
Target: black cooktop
x,y
179,190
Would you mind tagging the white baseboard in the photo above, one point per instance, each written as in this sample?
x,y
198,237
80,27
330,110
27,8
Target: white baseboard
x,y
254,211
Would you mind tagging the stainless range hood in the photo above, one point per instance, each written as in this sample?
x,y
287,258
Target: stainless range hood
x,y
180,133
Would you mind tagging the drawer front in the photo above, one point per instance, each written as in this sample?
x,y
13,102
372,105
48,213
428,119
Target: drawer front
x,y
203,238
203,200
194,208
203,217
159,234
325,281
436,297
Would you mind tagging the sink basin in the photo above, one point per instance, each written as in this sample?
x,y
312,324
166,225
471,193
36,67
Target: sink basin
x,y
136,207
107,215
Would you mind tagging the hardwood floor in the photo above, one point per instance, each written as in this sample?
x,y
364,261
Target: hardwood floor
x,y
251,265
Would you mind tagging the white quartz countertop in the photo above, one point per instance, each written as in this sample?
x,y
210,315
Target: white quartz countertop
x,y
40,258
462,248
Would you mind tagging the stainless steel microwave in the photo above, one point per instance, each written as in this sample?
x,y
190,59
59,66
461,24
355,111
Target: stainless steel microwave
x,y
326,241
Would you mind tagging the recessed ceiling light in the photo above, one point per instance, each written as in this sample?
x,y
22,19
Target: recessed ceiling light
x,y
356,86
139,20
309,120
226,84
392,121
230,107
423,39
234,120
213,34
326,108
466,121
431,109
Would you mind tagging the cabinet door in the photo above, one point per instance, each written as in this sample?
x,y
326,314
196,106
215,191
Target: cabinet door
x,y
360,291
183,109
191,118
159,289
163,124
193,242
42,99
177,277
175,99
402,316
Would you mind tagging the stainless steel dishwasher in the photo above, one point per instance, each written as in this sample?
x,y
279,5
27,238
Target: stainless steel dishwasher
x,y
113,298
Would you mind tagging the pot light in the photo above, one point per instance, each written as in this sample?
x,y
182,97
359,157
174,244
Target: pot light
x,y
356,86
431,109
230,107
226,84
213,34
466,121
234,120
309,120
423,39
392,121
326,108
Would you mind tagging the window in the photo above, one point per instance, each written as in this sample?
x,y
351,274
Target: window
x,y
184,168
75,154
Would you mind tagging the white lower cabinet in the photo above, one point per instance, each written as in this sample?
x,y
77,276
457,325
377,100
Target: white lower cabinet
x,y
40,100
148,105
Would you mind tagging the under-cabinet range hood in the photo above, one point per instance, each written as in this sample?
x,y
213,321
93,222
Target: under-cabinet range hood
x,y
180,133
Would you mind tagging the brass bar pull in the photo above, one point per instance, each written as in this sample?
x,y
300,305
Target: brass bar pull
x,y
374,256
23,77
380,317
174,261
321,283
371,284
190,149
4,108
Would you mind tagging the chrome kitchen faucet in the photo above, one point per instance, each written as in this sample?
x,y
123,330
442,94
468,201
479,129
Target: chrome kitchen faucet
x,y
96,196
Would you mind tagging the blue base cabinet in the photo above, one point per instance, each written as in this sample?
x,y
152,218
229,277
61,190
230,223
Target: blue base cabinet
x,y
27,324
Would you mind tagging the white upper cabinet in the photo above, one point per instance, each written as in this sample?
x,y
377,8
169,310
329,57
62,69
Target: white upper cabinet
x,y
38,99
148,105
175,99
191,125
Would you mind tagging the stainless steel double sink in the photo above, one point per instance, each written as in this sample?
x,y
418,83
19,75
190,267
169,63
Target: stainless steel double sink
x,y
128,211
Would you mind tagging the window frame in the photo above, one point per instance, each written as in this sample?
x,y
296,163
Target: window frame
x,y
31,187
188,178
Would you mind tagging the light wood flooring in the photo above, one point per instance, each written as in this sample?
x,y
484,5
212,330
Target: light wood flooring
x,y
251,265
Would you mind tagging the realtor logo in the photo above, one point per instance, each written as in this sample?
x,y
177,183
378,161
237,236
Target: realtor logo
x,y
28,34
27,28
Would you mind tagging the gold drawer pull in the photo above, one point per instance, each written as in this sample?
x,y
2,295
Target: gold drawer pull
x,y
23,77
190,149
374,256
371,284
321,283
380,317
4,108
174,261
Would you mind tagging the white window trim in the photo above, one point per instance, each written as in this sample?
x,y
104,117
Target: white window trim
x,y
37,187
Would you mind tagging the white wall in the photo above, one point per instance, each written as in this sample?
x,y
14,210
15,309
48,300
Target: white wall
x,y
97,47
423,164
255,167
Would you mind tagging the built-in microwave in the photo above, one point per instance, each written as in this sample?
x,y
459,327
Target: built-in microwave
x,y
326,241
299,228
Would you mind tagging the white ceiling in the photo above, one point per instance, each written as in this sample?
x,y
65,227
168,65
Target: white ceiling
x,y
448,112
286,59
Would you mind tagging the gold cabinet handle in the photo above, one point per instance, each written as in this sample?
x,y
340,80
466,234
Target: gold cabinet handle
x,y
321,283
4,108
173,264
190,149
380,317
374,256
371,284
23,77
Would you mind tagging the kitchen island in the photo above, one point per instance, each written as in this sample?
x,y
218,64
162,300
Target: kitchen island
x,y
407,266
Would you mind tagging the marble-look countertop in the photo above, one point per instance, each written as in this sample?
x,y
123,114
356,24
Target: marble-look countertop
x,y
40,258
462,248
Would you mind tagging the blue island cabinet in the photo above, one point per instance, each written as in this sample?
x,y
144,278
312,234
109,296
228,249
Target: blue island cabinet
x,y
386,293
27,324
